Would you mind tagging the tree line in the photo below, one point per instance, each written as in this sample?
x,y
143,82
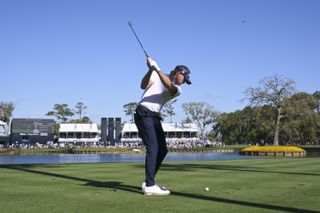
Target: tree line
x,y
300,124
64,113
276,114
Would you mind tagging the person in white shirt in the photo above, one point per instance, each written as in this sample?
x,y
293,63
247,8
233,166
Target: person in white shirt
x,y
158,88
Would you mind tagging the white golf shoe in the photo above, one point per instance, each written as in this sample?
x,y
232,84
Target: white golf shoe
x,y
143,186
155,190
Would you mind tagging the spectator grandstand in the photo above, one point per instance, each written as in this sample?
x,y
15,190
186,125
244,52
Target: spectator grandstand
x,y
78,134
178,135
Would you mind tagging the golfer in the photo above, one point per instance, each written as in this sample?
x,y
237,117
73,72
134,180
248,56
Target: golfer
x,y
158,88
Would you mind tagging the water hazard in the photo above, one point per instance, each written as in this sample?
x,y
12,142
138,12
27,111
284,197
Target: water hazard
x,y
96,158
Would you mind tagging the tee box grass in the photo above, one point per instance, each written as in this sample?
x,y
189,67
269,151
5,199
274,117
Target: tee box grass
x,y
250,185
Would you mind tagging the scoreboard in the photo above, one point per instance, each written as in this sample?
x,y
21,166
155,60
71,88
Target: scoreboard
x,y
32,126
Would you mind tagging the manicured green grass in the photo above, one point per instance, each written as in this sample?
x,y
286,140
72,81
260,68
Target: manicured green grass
x,y
252,185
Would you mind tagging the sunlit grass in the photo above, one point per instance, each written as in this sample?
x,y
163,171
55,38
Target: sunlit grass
x,y
251,185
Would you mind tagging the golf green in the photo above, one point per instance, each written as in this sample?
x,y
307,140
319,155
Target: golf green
x,y
250,185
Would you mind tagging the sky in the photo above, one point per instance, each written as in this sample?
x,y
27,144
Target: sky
x,y
67,51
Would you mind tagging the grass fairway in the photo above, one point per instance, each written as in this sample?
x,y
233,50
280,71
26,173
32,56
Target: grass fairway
x,y
252,185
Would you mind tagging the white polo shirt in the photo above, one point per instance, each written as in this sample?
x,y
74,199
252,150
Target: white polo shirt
x,y
157,94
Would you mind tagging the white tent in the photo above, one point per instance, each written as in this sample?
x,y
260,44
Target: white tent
x,y
78,128
167,127
172,130
75,132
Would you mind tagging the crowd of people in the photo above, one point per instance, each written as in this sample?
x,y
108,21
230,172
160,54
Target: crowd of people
x,y
185,143
174,143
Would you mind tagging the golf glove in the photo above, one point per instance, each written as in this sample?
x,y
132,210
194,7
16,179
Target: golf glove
x,y
154,65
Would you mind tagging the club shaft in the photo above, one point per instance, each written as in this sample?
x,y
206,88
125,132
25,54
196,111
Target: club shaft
x,y
138,40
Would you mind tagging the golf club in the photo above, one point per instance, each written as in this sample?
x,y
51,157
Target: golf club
x,y
130,25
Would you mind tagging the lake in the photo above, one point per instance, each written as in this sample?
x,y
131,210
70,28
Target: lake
x,y
96,158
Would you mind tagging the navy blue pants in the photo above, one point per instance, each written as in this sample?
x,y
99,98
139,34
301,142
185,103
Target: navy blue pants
x,y
153,137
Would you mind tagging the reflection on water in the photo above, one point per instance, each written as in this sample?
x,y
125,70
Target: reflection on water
x,y
313,154
96,158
